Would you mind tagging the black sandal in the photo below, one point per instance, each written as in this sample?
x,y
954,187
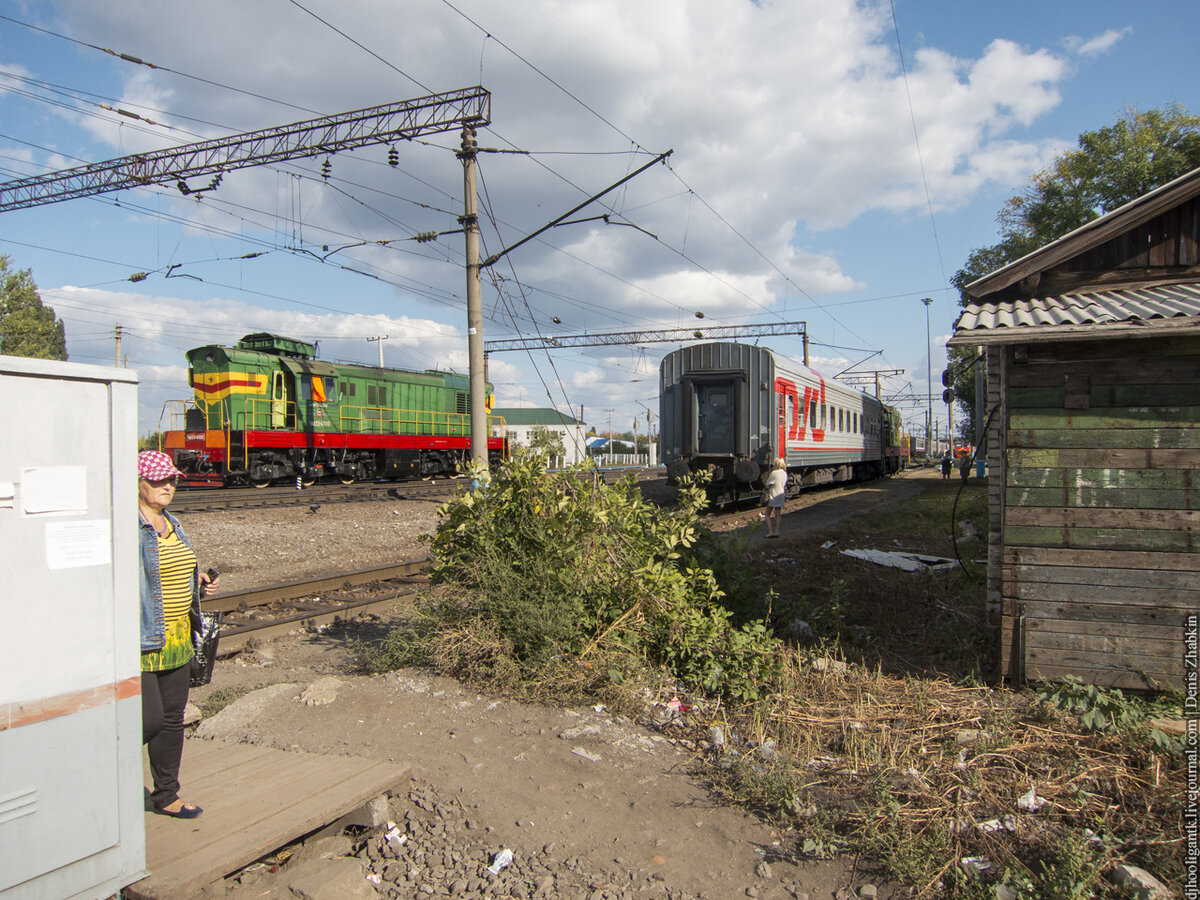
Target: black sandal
x,y
186,811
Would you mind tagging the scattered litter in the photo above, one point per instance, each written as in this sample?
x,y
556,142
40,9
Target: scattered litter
x,y
716,735
909,562
677,705
1031,802
586,754
599,707
393,835
1009,823
828,544
767,750
501,861
970,735
975,865
374,879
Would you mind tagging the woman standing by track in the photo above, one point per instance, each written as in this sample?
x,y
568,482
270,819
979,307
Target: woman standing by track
x,y
171,585
775,494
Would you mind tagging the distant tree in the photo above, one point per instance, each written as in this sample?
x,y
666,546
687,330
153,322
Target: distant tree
x,y
27,327
545,442
1112,166
152,441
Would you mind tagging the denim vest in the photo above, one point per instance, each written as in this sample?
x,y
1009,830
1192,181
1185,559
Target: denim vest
x,y
154,629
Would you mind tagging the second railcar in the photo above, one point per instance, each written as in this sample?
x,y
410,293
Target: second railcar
x,y
731,409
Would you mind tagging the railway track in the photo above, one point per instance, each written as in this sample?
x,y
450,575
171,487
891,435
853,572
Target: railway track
x,y
191,500
268,612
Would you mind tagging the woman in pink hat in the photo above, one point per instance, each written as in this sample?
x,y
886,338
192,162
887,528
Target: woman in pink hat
x,y
171,587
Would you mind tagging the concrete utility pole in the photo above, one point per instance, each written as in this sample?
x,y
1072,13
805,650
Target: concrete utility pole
x,y
379,339
928,378
478,378
117,352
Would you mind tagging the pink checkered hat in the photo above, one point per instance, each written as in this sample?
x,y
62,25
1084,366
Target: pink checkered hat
x,y
154,465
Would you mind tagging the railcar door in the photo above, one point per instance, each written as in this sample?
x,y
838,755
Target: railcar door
x,y
278,400
715,422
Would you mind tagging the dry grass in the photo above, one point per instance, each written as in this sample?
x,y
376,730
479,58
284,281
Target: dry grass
x,y
889,744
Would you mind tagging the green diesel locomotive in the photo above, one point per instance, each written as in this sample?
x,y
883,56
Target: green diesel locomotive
x,y
266,409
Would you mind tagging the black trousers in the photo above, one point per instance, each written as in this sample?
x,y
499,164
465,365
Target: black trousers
x,y
164,695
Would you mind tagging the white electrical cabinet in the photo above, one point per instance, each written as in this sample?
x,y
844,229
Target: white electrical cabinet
x,y
71,797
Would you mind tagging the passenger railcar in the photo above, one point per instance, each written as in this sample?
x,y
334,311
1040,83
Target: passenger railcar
x,y
732,409
266,410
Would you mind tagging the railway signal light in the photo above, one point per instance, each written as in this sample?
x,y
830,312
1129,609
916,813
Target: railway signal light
x,y
947,395
947,378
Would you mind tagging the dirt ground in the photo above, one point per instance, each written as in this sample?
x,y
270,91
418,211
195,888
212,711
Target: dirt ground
x,y
592,805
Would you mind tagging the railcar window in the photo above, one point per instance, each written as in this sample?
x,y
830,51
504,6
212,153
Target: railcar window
x,y
370,395
812,414
383,392
841,426
341,389
824,416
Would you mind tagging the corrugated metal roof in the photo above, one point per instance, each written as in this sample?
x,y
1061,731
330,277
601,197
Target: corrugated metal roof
x,y
1091,308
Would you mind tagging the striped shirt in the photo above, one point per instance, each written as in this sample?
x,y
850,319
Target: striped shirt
x,y
176,567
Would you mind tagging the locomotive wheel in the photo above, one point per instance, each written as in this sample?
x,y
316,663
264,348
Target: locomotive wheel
x,y
308,480
346,479
259,482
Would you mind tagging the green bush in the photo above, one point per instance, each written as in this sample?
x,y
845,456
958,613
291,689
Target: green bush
x,y
561,565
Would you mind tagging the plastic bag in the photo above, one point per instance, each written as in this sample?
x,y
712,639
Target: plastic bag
x,y
205,641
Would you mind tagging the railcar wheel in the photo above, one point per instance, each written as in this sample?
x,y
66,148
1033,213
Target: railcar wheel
x,y
259,482
346,479
307,480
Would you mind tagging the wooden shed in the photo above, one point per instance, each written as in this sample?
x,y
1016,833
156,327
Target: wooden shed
x,y
1092,346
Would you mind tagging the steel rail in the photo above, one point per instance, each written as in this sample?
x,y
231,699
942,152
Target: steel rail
x,y
233,601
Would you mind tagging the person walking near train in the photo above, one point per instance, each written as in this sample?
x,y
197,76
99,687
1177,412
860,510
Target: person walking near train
x,y
775,493
171,586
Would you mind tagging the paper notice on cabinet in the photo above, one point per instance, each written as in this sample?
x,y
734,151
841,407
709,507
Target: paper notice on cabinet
x,y
54,490
73,545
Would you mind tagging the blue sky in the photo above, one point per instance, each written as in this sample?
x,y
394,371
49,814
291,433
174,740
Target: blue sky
x,y
797,189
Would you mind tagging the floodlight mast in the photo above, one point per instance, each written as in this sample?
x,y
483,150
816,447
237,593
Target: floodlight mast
x,y
403,120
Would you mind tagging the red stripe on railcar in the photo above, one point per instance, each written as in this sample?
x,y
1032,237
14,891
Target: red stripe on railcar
x,y
335,441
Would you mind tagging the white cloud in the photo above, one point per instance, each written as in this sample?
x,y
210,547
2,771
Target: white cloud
x,y
1097,45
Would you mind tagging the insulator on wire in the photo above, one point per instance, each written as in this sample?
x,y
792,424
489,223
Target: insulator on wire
x,y
326,168
425,237
393,157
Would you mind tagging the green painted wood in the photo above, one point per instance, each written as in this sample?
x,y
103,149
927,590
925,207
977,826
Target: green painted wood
x,y
1099,538
1050,556
1151,519
1166,480
1083,593
1101,458
1103,578
1139,439
1105,396
1119,370
1112,418
1099,496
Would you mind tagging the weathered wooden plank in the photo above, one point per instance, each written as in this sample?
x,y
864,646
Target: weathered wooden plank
x,y
1104,675
1168,635
1091,495
1105,396
264,800
1112,613
1082,593
1099,538
1120,479
1101,458
1153,519
1149,654
1109,349
1102,577
1122,438
1133,417
1128,370
1054,556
